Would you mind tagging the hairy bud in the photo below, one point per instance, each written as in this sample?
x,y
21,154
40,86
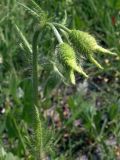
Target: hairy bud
x,y
87,45
82,41
68,58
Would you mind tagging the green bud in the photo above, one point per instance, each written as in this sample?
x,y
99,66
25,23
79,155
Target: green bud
x,y
87,45
67,57
82,41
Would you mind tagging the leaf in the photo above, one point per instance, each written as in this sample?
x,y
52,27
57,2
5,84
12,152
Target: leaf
x,y
7,156
10,156
115,3
2,152
24,40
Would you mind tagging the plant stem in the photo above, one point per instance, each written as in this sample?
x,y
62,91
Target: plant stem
x,y
56,33
62,27
34,69
37,126
35,85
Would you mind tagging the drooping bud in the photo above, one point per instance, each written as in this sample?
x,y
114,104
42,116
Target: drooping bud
x,y
68,58
87,45
82,41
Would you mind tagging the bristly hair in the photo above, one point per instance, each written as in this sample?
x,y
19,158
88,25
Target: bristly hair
x,y
41,140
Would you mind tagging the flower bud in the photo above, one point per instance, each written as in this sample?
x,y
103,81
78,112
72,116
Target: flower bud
x,y
67,57
83,41
87,45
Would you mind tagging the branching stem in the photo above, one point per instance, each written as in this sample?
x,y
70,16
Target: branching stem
x,y
62,27
56,32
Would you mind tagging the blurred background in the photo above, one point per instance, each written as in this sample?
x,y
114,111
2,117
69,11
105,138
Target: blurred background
x,y
84,117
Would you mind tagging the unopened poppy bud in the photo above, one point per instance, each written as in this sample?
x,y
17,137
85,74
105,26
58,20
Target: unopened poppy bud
x,y
86,44
68,58
83,41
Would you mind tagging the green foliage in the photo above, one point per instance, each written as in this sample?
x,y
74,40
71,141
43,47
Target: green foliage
x,y
7,156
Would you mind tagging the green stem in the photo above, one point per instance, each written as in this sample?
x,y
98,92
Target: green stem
x,y
37,126
56,33
62,27
34,69
35,84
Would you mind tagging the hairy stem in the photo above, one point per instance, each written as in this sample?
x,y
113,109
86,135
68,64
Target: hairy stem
x,y
56,32
34,69
35,87
62,27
